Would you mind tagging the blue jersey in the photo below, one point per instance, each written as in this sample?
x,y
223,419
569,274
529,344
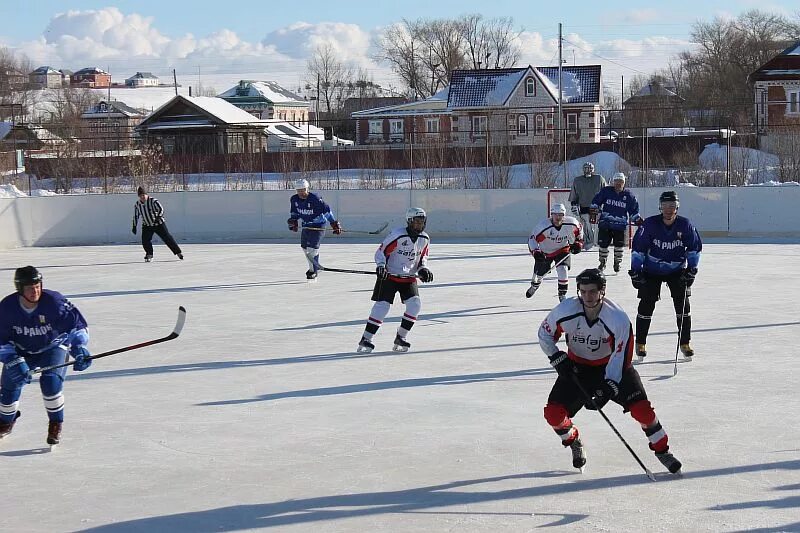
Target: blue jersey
x,y
615,207
313,211
662,250
54,321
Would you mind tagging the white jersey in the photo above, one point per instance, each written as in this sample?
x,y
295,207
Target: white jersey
x,y
402,255
552,240
607,341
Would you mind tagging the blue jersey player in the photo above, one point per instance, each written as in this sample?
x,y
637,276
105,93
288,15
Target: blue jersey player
x,y
665,249
310,211
38,328
616,207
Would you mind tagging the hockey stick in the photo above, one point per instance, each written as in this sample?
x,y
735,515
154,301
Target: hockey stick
x,y
349,271
586,395
686,294
363,232
174,335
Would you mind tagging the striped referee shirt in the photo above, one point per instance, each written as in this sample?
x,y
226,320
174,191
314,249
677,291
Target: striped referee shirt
x,y
151,212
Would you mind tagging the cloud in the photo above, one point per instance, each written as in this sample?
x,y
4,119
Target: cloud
x,y
299,40
639,16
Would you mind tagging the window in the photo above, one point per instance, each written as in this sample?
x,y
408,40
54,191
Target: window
x,y
572,123
539,125
432,125
793,102
396,127
376,127
522,125
479,125
530,87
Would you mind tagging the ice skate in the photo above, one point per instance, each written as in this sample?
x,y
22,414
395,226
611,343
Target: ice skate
x,y
670,462
6,427
311,275
641,352
400,344
688,352
578,454
148,258
180,256
53,434
617,264
365,346
561,296
531,290
602,265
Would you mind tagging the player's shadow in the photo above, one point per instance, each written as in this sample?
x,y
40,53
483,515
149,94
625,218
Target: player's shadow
x,y
194,288
84,265
789,502
25,453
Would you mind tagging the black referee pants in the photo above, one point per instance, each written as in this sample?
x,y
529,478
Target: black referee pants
x,y
162,231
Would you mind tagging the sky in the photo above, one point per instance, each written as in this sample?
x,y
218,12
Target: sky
x,y
205,42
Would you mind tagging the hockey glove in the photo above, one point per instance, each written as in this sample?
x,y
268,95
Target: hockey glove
x,y
133,230
425,275
688,275
607,391
17,371
563,364
381,272
638,278
337,228
575,248
81,355
637,219
538,255
292,224
576,211
593,214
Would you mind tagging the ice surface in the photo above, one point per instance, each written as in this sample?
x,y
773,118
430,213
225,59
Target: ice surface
x,y
262,416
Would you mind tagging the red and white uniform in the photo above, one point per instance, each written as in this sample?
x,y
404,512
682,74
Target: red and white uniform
x,y
402,255
552,240
607,341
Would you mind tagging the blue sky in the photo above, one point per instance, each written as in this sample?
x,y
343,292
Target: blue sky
x,y
266,39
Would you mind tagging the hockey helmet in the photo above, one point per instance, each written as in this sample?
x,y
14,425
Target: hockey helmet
x,y
619,176
302,184
591,276
25,276
588,168
668,196
556,209
414,213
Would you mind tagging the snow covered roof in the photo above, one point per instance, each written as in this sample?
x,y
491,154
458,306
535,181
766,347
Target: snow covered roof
x,y
101,109
785,65
212,107
436,104
45,70
482,88
90,70
142,75
268,90
581,82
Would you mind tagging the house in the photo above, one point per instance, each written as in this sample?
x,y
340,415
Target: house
x,y
420,121
268,100
109,125
12,79
202,125
143,79
777,92
45,78
656,104
66,77
91,77
19,136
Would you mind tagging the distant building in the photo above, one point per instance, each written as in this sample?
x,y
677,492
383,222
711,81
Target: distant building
x,y
109,125
27,137
420,121
66,77
12,79
143,79
45,78
777,91
91,77
268,100
655,105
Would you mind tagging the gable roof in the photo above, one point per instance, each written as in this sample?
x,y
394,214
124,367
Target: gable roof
x,y
581,82
436,104
216,111
89,70
483,88
785,65
45,70
268,90
142,75
115,105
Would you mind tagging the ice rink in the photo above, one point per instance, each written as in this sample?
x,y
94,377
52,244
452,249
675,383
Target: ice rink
x,y
262,416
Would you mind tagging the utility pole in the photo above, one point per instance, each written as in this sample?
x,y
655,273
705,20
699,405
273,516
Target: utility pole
x,y
562,134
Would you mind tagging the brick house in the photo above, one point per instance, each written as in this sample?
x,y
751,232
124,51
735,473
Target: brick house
x,y
777,91
91,77
45,78
268,100
421,121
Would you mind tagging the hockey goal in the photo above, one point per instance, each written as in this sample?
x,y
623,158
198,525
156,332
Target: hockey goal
x,y
561,196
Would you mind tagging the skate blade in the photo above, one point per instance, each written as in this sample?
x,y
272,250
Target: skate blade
x,y
53,447
582,469
638,360
362,349
687,359
400,348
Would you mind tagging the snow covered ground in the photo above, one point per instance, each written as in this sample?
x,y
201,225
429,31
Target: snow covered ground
x,y
261,416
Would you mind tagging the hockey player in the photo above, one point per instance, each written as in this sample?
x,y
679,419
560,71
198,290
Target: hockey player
x,y
584,189
309,208
550,243
615,206
597,362
401,259
666,248
38,328
151,212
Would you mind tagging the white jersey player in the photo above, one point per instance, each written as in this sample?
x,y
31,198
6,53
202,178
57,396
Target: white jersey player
x,y
401,259
551,242
596,368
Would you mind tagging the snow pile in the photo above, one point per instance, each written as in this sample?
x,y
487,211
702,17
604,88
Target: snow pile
x,y
9,190
775,184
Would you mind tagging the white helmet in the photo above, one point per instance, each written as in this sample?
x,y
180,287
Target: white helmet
x,y
558,209
619,176
588,168
416,212
301,184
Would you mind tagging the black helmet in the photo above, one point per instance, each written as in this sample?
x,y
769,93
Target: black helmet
x,y
25,276
591,276
668,196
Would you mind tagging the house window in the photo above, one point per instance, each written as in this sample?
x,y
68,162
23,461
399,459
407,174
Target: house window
x,y
793,102
479,125
376,127
512,124
432,125
530,87
572,123
522,125
396,127
539,125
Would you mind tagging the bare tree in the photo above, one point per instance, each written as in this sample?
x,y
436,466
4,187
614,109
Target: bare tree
x,y
399,45
15,96
490,43
332,75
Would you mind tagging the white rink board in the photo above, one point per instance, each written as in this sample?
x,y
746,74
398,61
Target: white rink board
x,y
262,417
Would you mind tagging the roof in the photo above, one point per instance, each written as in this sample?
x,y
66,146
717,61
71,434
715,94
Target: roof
x,y
785,65
141,75
268,90
89,70
217,108
655,90
581,82
45,70
119,107
436,104
482,88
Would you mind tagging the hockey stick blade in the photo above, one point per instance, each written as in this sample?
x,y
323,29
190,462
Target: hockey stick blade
x,y
349,271
176,331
